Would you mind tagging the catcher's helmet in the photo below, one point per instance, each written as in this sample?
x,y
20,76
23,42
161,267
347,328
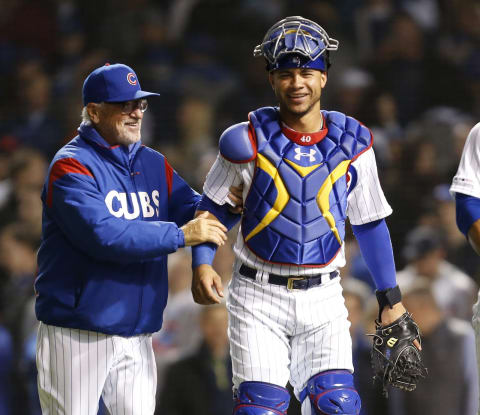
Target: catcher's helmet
x,y
296,42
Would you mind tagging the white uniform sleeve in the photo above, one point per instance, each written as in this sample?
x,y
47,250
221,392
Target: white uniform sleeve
x,y
221,176
366,201
467,179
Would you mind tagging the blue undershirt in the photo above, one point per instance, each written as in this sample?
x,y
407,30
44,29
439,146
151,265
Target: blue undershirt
x,y
467,211
376,247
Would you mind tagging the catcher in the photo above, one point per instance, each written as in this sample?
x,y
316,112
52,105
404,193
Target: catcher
x,y
304,171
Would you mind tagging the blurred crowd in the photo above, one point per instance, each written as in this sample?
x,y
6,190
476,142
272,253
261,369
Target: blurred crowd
x,y
408,69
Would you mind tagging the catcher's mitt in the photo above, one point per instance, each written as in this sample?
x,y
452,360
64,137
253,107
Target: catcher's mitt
x,y
395,359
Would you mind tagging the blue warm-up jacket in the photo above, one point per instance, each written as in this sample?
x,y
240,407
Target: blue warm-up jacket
x,y
110,217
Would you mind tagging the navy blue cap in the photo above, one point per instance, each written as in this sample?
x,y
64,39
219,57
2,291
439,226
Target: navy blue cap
x,y
113,83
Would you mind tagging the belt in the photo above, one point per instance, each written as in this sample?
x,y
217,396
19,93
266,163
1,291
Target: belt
x,y
292,283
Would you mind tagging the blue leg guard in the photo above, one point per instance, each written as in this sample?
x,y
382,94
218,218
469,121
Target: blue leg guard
x,y
260,398
332,393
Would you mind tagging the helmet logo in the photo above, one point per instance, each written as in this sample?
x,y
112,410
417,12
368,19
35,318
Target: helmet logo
x,y
131,78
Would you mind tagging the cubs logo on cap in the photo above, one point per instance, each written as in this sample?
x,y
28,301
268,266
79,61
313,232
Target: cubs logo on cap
x,y
107,84
131,78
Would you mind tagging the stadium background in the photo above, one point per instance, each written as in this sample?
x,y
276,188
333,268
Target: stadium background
x,y
408,69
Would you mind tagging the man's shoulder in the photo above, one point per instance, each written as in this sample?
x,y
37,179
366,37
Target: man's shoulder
x,y
151,153
237,143
76,149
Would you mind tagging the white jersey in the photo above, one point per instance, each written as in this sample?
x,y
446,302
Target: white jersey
x,y
467,179
366,203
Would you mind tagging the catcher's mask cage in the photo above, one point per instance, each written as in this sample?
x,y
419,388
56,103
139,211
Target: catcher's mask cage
x,y
296,42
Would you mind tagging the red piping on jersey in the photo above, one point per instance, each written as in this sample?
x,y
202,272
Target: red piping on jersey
x,y
168,176
61,168
296,136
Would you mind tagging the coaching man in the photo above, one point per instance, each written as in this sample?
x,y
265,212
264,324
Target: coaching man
x,y
113,209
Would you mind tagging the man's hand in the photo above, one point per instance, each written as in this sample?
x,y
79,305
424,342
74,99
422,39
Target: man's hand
x,y
201,229
389,315
205,279
236,197
396,360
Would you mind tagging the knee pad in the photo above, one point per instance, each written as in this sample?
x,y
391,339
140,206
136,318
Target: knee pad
x,y
261,398
332,393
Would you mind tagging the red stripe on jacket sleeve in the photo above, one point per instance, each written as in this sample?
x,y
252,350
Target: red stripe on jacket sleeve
x,y
169,176
61,168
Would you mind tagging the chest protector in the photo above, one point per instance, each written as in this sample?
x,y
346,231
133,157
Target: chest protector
x,y
295,210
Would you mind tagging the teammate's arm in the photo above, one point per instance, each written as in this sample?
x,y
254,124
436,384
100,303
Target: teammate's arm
x,y
474,236
468,218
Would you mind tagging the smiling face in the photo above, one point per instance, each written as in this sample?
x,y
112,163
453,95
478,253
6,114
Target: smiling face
x,y
298,90
115,126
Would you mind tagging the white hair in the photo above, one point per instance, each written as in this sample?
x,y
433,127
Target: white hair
x,y
85,116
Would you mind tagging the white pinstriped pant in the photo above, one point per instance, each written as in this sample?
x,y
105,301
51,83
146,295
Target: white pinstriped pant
x,y
476,327
76,367
277,335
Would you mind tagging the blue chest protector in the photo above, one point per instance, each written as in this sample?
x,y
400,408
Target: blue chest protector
x,y
295,210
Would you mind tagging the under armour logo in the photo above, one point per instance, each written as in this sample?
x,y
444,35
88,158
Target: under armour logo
x,y
300,154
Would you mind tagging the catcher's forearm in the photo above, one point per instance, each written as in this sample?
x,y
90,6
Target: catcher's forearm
x,y
390,314
376,247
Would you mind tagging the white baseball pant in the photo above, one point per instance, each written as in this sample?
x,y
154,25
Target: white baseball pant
x,y
76,367
277,335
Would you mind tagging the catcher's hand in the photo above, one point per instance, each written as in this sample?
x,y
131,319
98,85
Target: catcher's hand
x,y
396,360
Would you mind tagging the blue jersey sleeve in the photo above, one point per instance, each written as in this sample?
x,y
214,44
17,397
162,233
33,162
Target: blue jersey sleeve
x,y
74,203
376,247
467,211
204,253
183,200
